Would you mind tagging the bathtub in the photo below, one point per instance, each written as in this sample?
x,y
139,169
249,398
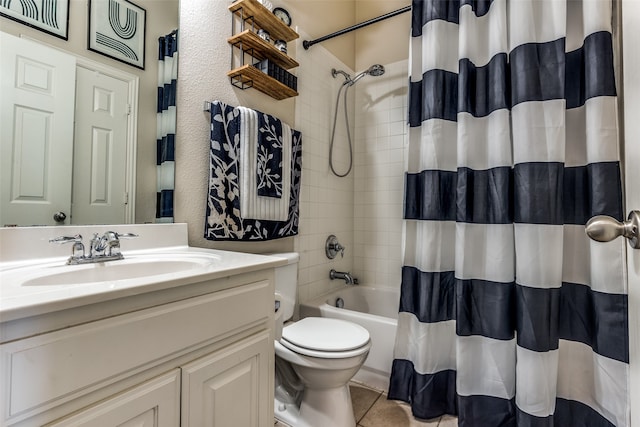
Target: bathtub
x,y
374,308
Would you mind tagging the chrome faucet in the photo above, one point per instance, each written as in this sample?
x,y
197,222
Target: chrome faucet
x,y
347,277
106,245
101,248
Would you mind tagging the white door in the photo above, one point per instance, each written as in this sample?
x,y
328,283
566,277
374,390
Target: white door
x,y
100,149
36,136
631,93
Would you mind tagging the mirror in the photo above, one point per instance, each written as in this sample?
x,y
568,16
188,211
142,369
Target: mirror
x,y
161,19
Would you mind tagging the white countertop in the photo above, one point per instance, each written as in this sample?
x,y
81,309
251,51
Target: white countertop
x,y
20,266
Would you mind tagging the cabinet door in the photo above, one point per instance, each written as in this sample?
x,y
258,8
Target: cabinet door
x,y
230,387
155,403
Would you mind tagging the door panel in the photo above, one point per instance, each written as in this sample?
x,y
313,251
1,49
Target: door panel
x,y
36,136
631,138
100,149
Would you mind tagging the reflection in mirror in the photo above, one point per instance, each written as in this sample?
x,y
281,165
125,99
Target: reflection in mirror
x,y
167,82
103,172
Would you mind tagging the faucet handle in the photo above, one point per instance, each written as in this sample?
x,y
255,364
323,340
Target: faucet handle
x,y
332,247
66,239
338,247
113,241
77,251
127,235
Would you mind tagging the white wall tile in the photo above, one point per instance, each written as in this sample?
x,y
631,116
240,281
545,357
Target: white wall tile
x,y
364,209
381,106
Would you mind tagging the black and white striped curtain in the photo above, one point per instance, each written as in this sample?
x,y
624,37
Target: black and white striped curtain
x,y
509,314
166,124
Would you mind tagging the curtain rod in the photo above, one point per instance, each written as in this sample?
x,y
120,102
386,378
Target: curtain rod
x,y
308,43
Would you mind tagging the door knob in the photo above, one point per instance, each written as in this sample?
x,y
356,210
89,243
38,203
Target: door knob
x,y
59,216
604,228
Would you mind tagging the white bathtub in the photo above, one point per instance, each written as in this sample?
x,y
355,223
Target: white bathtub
x,y
374,308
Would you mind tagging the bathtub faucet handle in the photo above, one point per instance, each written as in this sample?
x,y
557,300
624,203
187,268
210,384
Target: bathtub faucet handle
x,y
332,247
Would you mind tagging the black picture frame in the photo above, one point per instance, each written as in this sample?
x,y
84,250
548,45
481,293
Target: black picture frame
x,y
48,16
117,29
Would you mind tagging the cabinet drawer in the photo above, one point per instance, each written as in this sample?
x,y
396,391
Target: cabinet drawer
x,y
44,371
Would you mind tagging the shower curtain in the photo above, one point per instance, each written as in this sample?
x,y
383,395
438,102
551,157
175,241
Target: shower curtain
x,y
166,124
509,314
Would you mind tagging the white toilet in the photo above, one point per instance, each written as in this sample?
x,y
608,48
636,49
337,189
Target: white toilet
x,y
315,359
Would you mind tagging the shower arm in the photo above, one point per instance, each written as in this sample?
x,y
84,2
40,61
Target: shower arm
x,y
347,77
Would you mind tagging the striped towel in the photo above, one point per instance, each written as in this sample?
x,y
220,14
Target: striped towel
x,y
252,205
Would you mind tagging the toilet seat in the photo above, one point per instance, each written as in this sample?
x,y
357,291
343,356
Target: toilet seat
x,y
325,338
325,354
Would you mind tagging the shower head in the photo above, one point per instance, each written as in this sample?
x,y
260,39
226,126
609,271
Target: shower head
x,y
375,70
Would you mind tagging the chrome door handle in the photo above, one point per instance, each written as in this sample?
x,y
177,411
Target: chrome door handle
x,y
604,228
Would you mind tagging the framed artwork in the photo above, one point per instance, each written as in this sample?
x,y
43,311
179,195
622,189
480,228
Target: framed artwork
x,y
50,16
117,30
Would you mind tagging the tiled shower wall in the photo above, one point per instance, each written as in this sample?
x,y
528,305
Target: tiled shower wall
x,y
364,209
326,201
381,139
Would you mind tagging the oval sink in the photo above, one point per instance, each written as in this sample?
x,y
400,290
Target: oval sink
x,y
136,267
113,270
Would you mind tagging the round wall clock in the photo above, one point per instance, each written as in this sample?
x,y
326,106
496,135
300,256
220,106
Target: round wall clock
x,y
283,15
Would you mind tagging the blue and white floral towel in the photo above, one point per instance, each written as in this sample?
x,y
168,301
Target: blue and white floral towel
x,y
223,215
270,174
253,157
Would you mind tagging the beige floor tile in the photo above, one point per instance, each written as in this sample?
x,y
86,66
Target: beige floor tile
x,y
448,421
386,413
362,399
373,409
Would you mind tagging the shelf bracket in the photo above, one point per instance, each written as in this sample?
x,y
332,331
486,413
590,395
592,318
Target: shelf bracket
x,y
239,81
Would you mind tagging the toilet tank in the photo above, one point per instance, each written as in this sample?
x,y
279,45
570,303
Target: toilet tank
x,y
286,283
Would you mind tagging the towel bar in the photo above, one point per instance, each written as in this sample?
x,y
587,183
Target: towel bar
x,y
207,106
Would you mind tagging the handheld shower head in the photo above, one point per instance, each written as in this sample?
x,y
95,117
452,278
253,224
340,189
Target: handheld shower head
x,y
375,70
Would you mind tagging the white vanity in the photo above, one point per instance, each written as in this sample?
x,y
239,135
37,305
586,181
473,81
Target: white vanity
x,y
177,336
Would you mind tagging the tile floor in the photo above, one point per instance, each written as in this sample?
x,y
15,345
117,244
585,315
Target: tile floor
x,y
373,409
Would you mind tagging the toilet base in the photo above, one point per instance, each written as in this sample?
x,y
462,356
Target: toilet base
x,y
319,407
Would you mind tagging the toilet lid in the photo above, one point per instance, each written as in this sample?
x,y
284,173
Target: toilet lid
x,y
325,334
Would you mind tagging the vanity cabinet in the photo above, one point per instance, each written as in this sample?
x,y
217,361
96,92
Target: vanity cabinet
x,y
203,357
247,42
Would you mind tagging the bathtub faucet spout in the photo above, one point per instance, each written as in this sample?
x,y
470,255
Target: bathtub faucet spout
x,y
348,279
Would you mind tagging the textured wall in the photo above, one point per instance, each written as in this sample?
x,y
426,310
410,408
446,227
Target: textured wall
x,y
317,18
384,42
204,62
